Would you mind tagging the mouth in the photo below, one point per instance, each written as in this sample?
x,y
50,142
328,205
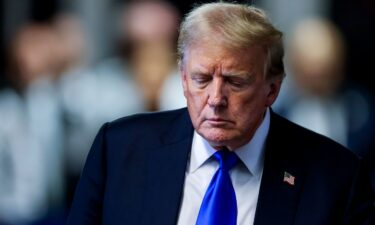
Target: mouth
x,y
218,121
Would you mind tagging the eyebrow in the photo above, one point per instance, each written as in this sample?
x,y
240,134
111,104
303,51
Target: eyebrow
x,y
243,75
235,74
201,71
199,74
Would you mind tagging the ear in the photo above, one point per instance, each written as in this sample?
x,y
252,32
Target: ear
x,y
273,91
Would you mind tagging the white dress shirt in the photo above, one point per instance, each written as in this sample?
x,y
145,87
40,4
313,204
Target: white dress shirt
x,y
245,176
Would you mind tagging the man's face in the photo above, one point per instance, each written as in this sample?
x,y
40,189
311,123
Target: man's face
x,y
227,92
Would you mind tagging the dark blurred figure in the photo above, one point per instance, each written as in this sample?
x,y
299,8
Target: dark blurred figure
x,y
356,19
31,173
318,96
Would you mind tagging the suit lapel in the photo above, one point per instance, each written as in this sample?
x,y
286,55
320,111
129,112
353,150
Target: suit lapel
x,y
166,175
278,199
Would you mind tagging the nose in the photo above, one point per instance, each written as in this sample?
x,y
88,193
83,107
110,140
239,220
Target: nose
x,y
216,95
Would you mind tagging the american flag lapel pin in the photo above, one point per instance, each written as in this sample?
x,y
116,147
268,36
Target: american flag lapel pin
x,y
289,178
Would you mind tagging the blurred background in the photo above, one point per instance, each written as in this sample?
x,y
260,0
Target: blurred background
x,y
68,66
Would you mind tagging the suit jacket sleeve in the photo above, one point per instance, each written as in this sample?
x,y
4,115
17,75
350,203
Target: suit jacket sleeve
x,y
88,201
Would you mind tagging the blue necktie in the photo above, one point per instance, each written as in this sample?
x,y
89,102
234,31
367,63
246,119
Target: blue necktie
x,y
219,206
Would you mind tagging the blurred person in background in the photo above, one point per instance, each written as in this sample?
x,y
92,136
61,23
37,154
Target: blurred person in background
x,y
78,92
317,95
31,174
148,57
87,97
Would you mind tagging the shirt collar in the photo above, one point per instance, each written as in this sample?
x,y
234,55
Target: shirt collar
x,y
251,154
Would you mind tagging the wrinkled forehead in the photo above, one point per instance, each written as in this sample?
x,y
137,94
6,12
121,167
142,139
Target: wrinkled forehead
x,y
219,39
216,48
209,57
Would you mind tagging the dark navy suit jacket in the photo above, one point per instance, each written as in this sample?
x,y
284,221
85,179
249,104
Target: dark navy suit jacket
x,y
135,171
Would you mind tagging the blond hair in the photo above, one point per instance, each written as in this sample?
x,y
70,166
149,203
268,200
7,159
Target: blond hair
x,y
237,26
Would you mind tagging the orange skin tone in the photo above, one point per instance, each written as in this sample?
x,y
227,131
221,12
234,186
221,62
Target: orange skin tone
x,y
227,92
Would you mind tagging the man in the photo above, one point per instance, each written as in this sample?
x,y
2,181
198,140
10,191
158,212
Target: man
x,y
163,168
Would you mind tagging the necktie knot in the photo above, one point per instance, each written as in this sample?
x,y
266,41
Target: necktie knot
x,y
227,159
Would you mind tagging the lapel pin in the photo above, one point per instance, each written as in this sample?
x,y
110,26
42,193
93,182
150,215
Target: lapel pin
x,y
289,178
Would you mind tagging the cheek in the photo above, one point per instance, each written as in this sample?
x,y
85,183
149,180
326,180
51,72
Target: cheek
x,y
198,104
243,106
195,97
242,101
195,102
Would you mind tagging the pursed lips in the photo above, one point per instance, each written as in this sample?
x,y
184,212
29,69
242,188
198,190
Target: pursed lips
x,y
217,121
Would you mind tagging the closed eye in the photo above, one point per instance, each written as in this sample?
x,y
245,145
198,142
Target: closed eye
x,y
201,79
238,82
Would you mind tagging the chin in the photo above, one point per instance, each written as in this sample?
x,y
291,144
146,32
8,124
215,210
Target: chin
x,y
216,136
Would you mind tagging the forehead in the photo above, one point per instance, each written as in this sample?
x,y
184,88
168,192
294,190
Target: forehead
x,y
207,56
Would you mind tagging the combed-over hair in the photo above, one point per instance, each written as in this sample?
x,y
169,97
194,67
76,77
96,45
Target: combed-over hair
x,y
236,26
